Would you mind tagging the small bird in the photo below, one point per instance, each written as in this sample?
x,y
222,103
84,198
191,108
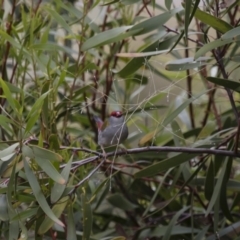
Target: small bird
x,y
113,131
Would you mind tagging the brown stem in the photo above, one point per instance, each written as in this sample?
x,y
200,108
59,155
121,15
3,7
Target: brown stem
x,y
189,91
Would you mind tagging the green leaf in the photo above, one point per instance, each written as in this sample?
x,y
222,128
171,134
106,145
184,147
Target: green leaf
x,y
183,106
235,86
4,216
44,163
34,151
178,137
45,111
177,230
186,63
151,203
168,119
71,229
235,58
187,5
210,181
13,42
119,201
34,114
133,65
59,19
215,22
38,194
217,188
212,45
172,223
201,234
58,189
168,4
8,152
164,165
87,216
11,191
52,47
57,210
15,107
230,230
6,122
233,33
24,215
155,22
108,36
141,54
223,194
207,130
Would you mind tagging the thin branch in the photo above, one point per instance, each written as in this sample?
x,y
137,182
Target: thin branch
x,y
87,177
189,90
151,149
230,95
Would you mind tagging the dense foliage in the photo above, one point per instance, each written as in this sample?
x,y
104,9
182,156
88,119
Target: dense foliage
x,y
171,67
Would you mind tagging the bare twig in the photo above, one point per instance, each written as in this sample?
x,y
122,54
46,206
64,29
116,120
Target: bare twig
x,y
150,149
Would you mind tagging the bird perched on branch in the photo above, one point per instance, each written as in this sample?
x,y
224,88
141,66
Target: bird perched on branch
x,y
113,131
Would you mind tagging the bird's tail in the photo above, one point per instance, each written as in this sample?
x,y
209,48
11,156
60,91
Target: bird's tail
x,y
99,122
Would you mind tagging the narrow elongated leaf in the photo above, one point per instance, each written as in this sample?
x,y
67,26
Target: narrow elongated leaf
x,y
71,229
164,165
119,201
141,54
109,36
155,22
4,216
59,19
45,164
7,153
52,47
13,42
5,123
87,216
58,189
206,130
24,215
212,45
201,234
183,106
33,151
210,182
178,137
38,104
168,4
217,188
230,230
156,192
14,105
223,194
38,194
34,114
173,222
169,119
231,34
186,63
177,230
133,65
57,210
215,22
235,86
187,4
14,226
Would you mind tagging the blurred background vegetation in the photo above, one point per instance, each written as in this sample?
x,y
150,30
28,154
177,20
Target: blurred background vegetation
x,y
172,67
